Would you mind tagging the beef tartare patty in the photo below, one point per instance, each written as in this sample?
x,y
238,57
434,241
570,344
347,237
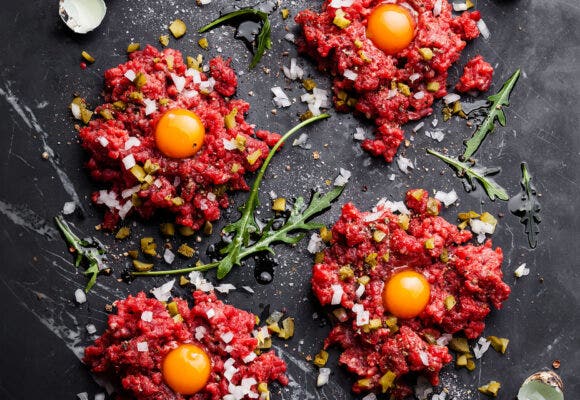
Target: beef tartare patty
x,y
369,253
133,351
144,172
372,75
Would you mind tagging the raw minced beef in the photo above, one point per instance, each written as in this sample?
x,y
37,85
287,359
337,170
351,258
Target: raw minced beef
x,y
388,89
453,267
193,189
477,75
116,356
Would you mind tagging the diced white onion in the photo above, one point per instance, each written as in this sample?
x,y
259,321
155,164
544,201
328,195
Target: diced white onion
x,y
370,396
248,289
91,329
481,347
350,75
459,6
103,141
451,98
444,339
418,126
195,75
131,191
419,95
147,316
163,292
434,122
343,178
424,357
150,106
227,337
481,228
359,134
200,332
210,313
521,271
249,358
132,142
229,144
168,256
80,296
436,134
75,110
301,141
290,37
100,396
129,161
483,29
437,8
83,396
404,164
323,376
142,347
294,72
340,3
414,77
207,85
69,207
315,244
360,291
446,198
392,93
225,288
337,293
280,98
179,82
125,208
130,74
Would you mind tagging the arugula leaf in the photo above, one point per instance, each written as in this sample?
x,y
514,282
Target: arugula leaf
x,y
89,248
263,41
526,206
470,174
242,230
498,101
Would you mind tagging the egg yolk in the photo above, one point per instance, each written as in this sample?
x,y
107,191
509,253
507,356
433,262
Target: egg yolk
x,y
406,294
391,27
186,369
179,133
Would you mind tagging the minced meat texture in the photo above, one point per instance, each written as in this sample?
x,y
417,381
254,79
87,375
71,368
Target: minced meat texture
x,y
192,189
389,89
453,267
477,75
138,374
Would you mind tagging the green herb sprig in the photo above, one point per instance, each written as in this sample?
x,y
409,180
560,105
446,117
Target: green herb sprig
x,y
470,173
90,249
526,206
263,40
246,227
498,101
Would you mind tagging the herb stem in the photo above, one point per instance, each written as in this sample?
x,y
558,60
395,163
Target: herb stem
x,y
239,248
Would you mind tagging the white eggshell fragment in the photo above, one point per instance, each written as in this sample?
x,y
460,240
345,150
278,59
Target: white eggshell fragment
x,y
542,385
82,16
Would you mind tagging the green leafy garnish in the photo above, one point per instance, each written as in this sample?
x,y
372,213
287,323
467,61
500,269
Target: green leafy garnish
x,y
498,101
89,249
526,206
470,173
246,227
263,40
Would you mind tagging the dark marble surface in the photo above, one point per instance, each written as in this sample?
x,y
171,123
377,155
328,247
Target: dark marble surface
x,y
42,328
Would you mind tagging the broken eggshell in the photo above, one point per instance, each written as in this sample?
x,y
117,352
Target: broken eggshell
x,y
82,16
543,385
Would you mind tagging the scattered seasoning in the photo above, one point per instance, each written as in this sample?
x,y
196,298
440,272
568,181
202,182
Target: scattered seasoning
x,y
526,206
263,40
90,249
498,101
470,173
240,246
